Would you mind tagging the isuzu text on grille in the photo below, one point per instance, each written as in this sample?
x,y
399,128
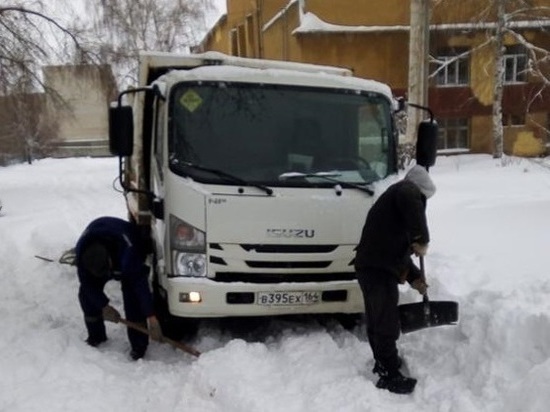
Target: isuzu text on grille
x,y
298,233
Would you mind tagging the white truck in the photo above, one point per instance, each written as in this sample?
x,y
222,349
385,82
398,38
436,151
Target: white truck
x,y
252,179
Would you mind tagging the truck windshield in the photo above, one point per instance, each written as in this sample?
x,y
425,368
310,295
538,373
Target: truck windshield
x,y
264,134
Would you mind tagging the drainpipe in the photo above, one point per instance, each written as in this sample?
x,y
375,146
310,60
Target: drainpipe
x,y
260,23
285,35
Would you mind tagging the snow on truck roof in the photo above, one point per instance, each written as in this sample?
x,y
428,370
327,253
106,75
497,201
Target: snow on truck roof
x,y
161,59
214,66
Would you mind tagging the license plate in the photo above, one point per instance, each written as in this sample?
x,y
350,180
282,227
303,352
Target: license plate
x,y
288,298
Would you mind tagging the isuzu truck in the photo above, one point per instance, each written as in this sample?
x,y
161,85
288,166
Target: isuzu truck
x,y
252,179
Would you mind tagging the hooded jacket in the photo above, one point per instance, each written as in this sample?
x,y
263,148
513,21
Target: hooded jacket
x,y
396,220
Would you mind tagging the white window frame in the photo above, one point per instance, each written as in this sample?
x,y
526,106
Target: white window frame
x,y
450,69
453,126
515,65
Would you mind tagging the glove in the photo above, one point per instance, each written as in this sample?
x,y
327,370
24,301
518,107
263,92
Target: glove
x,y
110,314
420,249
420,285
155,331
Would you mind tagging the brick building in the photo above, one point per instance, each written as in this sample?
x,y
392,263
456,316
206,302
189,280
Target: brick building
x,y
371,37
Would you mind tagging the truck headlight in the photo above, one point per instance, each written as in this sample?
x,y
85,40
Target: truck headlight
x,y
189,264
188,249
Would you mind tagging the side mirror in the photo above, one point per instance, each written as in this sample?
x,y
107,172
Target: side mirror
x,y
157,208
426,143
121,130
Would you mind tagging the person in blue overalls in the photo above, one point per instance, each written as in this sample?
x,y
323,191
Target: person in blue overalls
x,y
110,248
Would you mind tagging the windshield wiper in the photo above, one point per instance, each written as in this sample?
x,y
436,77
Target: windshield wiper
x,y
228,177
330,176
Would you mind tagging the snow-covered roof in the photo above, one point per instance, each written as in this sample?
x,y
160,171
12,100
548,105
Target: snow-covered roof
x,y
277,76
310,23
278,15
169,59
523,24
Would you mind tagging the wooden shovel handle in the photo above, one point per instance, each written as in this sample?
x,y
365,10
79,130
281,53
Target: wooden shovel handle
x,y
423,275
422,271
175,344
425,299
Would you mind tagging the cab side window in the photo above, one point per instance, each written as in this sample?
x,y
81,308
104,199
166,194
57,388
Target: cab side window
x,y
159,136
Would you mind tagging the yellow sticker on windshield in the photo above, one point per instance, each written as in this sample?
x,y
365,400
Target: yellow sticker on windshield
x,y
190,100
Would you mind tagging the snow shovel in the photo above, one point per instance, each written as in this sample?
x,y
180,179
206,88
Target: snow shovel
x,y
428,313
67,258
175,344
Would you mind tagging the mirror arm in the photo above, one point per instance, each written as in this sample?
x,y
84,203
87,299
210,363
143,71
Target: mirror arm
x,y
426,109
136,90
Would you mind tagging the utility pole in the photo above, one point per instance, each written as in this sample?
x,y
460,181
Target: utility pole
x,y
419,49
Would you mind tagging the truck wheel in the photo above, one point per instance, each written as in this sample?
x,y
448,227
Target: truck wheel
x,y
351,321
177,328
173,327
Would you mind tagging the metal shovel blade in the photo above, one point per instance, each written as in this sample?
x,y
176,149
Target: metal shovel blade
x,y
416,316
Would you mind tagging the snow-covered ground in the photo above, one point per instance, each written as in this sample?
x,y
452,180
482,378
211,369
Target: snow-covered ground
x,y
490,229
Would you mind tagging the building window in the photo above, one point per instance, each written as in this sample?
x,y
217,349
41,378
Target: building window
x,y
233,43
250,36
515,64
453,134
509,119
241,41
452,70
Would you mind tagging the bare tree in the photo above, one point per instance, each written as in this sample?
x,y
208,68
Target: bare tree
x,y
498,80
27,130
511,19
23,51
504,21
127,27
419,38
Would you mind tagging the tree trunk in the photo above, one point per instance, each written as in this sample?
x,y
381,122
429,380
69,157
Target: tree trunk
x,y
498,81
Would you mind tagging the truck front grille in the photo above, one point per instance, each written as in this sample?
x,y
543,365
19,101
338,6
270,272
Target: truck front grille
x,y
287,265
278,278
278,263
289,248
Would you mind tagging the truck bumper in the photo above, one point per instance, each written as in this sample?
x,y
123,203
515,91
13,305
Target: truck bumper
x,y
250,299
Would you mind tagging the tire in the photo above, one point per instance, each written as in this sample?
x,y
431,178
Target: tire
x,y
173,327
177,328
351,321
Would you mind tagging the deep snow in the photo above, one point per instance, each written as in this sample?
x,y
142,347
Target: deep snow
x,y
490,236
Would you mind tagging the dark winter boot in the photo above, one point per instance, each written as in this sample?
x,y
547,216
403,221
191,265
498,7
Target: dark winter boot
x,y
397,383
381,370
393,381
137,354
96,330
96,340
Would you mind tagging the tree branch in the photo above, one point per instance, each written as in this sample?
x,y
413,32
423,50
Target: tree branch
x,y
48,19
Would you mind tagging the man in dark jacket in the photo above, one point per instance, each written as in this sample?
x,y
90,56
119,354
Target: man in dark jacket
x,y
110,248
395,228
